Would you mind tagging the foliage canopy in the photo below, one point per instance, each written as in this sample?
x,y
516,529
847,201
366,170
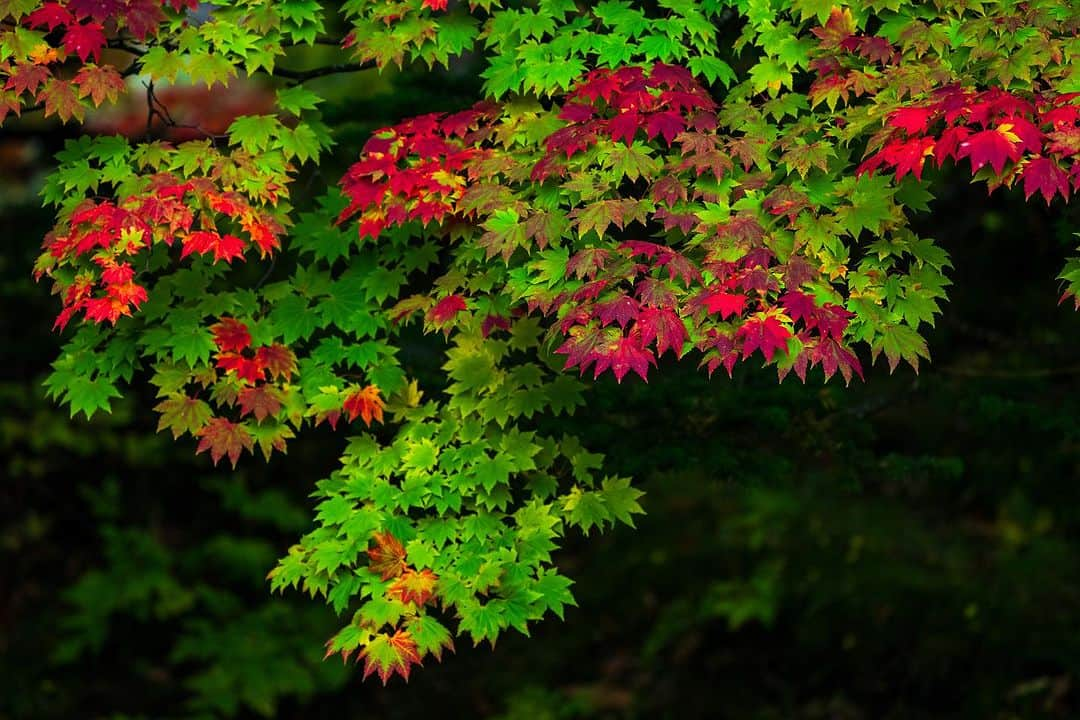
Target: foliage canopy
x,y
729,181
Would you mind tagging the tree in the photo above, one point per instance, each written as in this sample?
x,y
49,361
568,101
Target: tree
x,y
717,179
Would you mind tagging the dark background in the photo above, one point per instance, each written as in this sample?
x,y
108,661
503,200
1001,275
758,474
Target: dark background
x,y
903,548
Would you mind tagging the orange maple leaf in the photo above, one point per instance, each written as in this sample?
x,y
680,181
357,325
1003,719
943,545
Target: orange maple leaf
x,y
364,403
414,587
387,558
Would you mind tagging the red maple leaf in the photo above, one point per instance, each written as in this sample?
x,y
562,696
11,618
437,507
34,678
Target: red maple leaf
x,y
993,147
799,306
667,124
1045,176
833,356
673,76
575,112
765,333
364,403
142,17
246,368
643,247
85,40
278,360
599,84
912,120
621,309
444,312
624,354
387,557
262,400
664,326
222,437
581,346
224,247
100,10
727,304
908,156
624,126
25,78
230,334
50,15
492,323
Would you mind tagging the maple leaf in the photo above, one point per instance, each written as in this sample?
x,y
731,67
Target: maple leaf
x,y
581,346
833,356
231,335
908,156
763,332
26,78
60,100
262,400
85,40
664,326
387,557
100,10
444,312
993,147
838,28
182,414
587,262
142,17
414,588
248,369
364,403
224,247
386,654
913,120
100,82
668,124
621,309
222,437
1044,175
50,15
725,303
278,360
623,354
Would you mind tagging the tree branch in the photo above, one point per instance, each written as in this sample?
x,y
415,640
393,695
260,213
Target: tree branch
x,y
300,76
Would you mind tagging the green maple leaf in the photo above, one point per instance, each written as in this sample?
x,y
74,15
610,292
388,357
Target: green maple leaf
x,y
899,342
182,414
770,75
586,509
254,132
297,99
188,338
620,499
481,621
87,396
430,636
713,69
294,319
493,471
554,591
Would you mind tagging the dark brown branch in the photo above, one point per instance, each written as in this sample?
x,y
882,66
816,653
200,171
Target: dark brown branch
x,y
300,76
